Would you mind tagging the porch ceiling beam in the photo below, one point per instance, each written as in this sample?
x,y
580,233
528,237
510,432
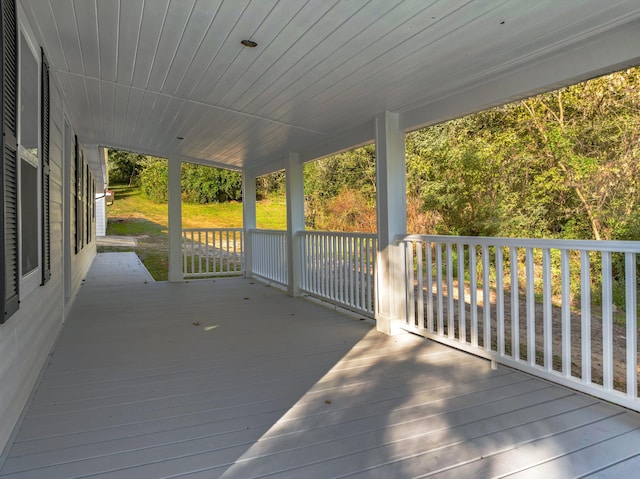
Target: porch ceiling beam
x,y
355,137
268,167
606,53
170,156
147,76
359,135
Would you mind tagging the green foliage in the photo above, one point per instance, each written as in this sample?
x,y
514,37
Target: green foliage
x,y
154,180
124,167
203,184
355,169
200,184
270,185
563,165
349,210
341,191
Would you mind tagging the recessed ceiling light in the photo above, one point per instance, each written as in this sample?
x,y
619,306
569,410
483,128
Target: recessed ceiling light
x,y
249,43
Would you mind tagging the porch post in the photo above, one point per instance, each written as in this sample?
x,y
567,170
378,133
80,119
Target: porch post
x,y
392,220
295,219
175,222
248,217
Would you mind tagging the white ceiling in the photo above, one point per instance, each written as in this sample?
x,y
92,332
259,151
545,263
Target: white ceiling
x,y
138,74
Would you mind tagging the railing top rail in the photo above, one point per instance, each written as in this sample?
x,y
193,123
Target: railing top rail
x,y
582,245
317,233
266,231
186,230
337,233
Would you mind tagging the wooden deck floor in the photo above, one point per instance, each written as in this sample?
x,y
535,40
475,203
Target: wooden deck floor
x,y
231,378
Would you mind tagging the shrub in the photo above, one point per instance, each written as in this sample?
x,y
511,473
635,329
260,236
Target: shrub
x,y
154,180
199,184
349,211
203,184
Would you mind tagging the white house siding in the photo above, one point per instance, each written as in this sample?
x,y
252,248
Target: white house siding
x,y
101,215
28,336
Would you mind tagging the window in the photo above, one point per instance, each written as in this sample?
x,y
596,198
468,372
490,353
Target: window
x,y
29,216
85,199
24,146
79,197
28,150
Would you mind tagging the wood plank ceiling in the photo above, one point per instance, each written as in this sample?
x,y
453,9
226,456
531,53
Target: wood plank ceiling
x,y
171,78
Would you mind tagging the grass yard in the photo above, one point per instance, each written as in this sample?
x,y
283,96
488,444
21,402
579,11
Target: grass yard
x,y
132,214
131,203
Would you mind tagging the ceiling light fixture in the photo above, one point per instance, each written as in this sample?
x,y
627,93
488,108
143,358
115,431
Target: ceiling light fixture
x,y
249,43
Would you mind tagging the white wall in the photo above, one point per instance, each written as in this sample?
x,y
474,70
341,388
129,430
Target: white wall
x,y
28,336
101,215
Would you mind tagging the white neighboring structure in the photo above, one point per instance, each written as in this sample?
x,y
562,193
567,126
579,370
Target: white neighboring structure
x,y
100,195
101,199
101,215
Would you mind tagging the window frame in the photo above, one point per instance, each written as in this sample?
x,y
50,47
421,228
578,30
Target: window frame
x,y
31,280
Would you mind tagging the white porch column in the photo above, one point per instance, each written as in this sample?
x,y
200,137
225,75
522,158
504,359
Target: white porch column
x,y
392,220
295,219
248,216
175,222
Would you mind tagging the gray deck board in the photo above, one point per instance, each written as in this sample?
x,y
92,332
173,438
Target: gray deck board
x,y
626,467
233,379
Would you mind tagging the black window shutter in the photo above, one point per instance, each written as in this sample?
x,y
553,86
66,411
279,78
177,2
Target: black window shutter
x,y
79,171
46,210
75,192
9,279
89,203
92,197
93,200
87,199
82,198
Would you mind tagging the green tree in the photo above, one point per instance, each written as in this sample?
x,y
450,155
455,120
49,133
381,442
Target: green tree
x,y
274,183
563,164
204,184
154,180
124,167
355,169
199,184
590,134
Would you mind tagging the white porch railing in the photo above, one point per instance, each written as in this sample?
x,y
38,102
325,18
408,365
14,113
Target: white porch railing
x,y
269,255
340,268
209,252
563,310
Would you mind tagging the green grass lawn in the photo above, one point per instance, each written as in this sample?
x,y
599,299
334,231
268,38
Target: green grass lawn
x,y
131,203
133,214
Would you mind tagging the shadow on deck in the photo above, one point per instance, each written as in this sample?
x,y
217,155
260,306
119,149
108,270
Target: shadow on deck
x,y
231,378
